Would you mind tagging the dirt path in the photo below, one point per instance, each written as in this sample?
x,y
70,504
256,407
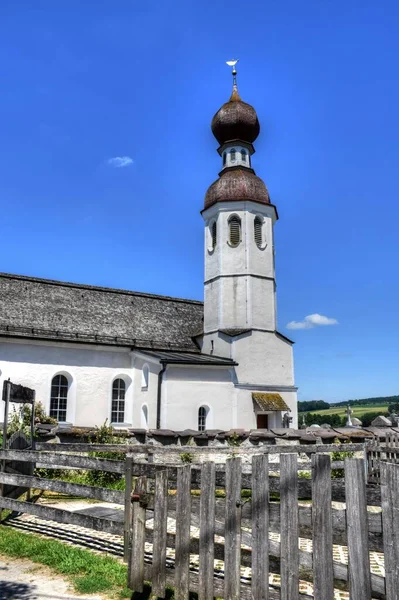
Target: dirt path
x,y
24,580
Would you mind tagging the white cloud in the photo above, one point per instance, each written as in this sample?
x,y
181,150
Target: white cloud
x,y
120,161
311,321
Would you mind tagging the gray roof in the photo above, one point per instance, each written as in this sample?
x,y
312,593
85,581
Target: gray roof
x,y
46,309
187,358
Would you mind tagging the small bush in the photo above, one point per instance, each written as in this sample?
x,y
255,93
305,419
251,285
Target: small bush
x,y
105,435
186,457
338,455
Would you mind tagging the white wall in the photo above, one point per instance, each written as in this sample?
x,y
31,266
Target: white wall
x,y
239,281
90,371
185,389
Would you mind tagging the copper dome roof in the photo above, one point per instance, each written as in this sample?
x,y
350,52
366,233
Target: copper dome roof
x,y
235,120
237,184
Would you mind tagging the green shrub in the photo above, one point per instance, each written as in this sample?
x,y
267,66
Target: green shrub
x,y
339,455
186,457
105,435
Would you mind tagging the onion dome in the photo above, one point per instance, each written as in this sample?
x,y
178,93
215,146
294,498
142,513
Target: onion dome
x,y
237,184
235,120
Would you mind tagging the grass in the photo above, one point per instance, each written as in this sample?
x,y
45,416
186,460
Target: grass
x,y
89,573
357,410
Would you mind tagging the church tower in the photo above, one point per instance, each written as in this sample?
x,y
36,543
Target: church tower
x,y
239,220
240,315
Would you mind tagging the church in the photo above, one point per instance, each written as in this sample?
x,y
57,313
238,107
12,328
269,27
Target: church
x,y
145,361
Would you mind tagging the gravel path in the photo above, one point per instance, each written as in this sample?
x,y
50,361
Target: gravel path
x,y
25,580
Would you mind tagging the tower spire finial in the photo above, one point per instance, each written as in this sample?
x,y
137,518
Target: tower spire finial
x,y
232,63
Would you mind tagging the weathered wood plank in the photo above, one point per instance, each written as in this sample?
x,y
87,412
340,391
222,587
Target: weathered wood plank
x,y
245,589
232,558
182,557
128,506
289,527
207,532
305,560
71,447
304,485
356,512
136,563
160,531
55,461
49,513
260,528
322,528
64,487
390,523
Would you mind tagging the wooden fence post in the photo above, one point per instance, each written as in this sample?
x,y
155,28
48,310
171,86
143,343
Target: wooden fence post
x,y
136,566
322,528
207,532
357,530
390,525
160,534
260,527
183,521
289,527
232,548
128,505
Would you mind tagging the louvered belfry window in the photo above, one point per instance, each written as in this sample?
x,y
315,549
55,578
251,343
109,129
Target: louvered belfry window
x,y
232,154
235,231
214,233
118,401
243,156
258,231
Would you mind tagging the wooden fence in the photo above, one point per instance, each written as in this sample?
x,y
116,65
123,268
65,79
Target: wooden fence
x,y
234,507
57,460
378,452
242,524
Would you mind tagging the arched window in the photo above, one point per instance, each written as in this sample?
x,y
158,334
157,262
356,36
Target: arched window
x,y
214,234
258,231
118,401
224,158
202,414
144,378
235,230
59,398
244,155
144,416
233,155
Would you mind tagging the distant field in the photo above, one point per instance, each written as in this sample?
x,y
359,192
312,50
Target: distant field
x,y
357,410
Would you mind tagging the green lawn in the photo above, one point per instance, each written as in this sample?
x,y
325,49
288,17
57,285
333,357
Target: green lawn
x,y
357,410
89,573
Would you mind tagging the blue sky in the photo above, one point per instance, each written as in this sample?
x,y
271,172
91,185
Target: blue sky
x,y
85,82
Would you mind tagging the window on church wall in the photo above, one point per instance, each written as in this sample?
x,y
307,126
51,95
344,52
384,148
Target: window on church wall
x,y
233,155
118,401
244,156
144,416
59,398
214,234
224,158
234,230
144,377
202,414
258,226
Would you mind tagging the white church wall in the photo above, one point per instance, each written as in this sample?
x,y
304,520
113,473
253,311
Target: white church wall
x,y
90,372
145,391
185,389
263,358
